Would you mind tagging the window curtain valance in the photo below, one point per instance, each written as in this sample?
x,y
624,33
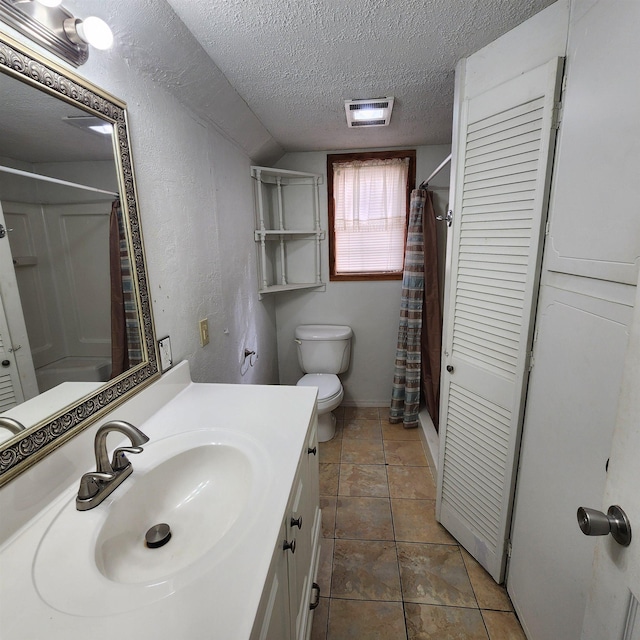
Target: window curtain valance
x,y
370,195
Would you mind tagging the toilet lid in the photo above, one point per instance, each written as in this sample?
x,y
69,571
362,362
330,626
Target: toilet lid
x,y
328,384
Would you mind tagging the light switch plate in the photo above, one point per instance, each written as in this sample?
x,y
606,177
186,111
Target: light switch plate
x,y
203,326
164,346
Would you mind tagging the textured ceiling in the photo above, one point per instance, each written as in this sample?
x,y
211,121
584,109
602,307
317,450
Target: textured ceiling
x,y
294,62
283,68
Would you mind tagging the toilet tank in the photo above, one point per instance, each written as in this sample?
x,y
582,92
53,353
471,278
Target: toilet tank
x,y
323,348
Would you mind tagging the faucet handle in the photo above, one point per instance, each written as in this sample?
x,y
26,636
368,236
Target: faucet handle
x,y
119,460
90,483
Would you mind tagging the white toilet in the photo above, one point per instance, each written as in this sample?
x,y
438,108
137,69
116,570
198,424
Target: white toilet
x,y
324,350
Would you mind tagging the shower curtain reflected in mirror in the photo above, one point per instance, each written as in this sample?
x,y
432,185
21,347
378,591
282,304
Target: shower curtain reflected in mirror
x,y
126,346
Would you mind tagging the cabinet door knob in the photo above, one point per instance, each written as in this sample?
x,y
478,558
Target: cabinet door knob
x,y
297,523
6,363
313,451
289,546
450,368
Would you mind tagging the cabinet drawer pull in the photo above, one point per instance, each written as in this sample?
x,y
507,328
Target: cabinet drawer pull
x,y
314,603
297,523
312,451
289,546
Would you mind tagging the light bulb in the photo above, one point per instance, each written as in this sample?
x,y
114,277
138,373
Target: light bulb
x,y
50,3
368,114
95,32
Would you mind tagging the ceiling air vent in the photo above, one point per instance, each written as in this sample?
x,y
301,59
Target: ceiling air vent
x,y
368,113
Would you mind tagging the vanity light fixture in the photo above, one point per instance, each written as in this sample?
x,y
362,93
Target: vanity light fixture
x,y
49,24
375,112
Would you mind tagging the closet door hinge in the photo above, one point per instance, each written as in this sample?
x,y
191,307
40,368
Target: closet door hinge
x,y
531,360
509,548
556,116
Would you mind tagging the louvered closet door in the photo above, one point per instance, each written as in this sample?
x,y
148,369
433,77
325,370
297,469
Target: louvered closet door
x,y
505,152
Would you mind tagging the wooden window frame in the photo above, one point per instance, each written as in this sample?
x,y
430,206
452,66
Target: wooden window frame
x,y
367,155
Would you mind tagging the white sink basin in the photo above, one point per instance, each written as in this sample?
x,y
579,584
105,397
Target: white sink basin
x,y
203,484
199,493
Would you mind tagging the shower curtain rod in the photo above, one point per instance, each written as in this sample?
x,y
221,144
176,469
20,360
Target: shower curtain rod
x,y
440,167
65,183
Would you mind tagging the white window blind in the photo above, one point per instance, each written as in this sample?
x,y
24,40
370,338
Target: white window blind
x,y
370,215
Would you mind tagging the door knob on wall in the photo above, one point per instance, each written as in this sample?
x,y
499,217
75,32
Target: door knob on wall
x,y
615,522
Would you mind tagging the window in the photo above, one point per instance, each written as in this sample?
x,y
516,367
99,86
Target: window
x,y
368,208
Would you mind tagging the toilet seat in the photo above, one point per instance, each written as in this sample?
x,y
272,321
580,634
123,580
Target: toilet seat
x,y
330,395
329,385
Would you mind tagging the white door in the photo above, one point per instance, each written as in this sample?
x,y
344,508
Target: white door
x,y
504,157
613,604
13,329
10,387
586,306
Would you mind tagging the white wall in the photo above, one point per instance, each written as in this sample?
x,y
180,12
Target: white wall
x,y
371,309
193,187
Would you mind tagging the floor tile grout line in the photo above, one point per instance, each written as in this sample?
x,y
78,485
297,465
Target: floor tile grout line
x,y
464,564
366,600
345,599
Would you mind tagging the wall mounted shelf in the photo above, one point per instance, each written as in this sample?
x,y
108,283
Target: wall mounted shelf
x,y
288,233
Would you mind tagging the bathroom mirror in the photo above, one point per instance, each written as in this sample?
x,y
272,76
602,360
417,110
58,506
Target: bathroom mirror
x,y
71,241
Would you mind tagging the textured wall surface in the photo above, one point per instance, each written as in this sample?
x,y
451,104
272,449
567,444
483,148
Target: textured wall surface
x,y
371,308
283,68
195,193
154,45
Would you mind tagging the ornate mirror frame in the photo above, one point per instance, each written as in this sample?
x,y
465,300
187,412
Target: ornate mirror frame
x,y
22,451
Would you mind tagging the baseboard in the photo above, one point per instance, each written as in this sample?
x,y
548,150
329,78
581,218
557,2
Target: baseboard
x,y
365,403
430,439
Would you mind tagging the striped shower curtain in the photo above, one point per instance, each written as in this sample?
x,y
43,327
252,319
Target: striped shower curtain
x,y
418,350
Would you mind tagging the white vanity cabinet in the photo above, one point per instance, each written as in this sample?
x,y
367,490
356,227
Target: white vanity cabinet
x,y
285,609
254,444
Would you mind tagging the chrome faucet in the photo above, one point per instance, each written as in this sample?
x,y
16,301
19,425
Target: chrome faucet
x,y
12,425
96,485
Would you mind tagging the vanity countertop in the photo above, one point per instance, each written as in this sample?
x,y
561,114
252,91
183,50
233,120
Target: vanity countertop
x,y
216,597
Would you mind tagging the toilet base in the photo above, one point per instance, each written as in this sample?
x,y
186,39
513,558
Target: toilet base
x,y
326,426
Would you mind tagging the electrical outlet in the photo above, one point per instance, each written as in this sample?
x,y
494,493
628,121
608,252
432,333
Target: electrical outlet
x,y
164,346
204,332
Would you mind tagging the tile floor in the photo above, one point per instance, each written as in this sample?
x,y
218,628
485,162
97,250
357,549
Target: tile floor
x,y
388,570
